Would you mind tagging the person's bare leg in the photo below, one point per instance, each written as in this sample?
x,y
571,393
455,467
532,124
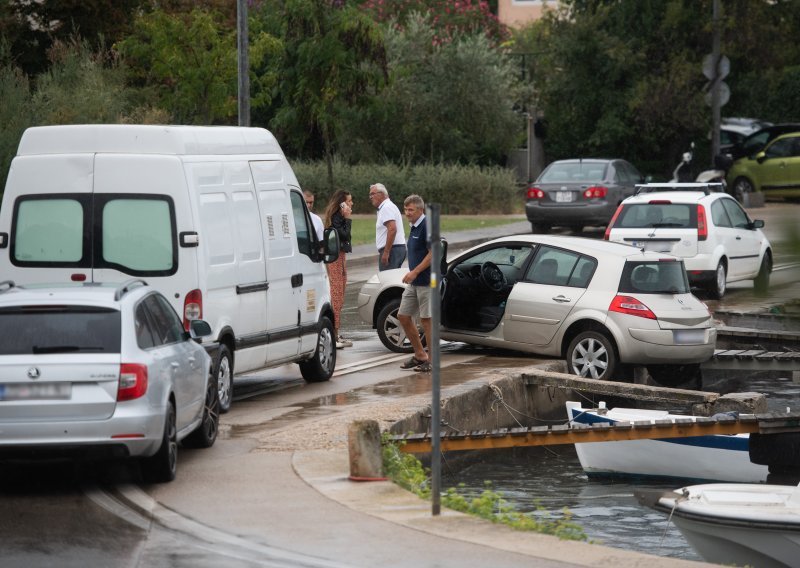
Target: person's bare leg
x,y
407,322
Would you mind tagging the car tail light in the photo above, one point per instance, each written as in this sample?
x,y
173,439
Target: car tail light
x,y
192,308
613,220
132,381
631,306
702,226
535,193
595,192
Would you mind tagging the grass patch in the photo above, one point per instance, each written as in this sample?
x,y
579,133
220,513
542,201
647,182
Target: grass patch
x,y
407,471
363,229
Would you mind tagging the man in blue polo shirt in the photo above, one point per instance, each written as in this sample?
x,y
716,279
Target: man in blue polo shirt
x,y
416,298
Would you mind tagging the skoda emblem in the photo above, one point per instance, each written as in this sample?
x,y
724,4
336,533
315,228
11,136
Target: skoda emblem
x,y
679,301
34,373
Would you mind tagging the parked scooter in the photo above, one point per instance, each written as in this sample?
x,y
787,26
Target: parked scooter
x,y
683,171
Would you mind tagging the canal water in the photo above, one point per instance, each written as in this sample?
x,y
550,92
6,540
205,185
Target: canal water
x,y
552,478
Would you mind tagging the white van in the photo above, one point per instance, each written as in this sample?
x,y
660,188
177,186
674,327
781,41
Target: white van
x,y
212,217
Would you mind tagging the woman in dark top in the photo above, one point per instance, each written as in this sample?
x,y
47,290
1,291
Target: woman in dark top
x,y
337,215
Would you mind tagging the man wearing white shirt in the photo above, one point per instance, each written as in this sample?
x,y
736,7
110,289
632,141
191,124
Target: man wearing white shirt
x,y
390,236
315,219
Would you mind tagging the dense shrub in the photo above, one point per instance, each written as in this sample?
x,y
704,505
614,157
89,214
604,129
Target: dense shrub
x,y
459,189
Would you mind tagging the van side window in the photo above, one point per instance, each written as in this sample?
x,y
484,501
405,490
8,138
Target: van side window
x,y
49,231
301,223
136,234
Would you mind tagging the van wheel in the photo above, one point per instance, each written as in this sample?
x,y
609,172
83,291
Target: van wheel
x,y
761,282
205,434
391,333
718,286
591,355
320,367
163,465
223,372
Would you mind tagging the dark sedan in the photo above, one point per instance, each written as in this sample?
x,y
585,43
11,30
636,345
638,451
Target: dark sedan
x,y
579,192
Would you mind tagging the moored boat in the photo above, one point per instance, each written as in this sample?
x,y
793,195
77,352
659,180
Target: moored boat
x,y
743,524
707,458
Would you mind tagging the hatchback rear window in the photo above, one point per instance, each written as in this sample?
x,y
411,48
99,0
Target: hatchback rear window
x,y
657,215
659,277
27,330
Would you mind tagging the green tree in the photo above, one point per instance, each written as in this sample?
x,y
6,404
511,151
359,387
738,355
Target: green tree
x,y
185,63
333,57
448,102
623,77
31,28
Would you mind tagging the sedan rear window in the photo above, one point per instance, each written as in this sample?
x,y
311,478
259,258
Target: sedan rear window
x,y
658,277
657,215
574,172
27,330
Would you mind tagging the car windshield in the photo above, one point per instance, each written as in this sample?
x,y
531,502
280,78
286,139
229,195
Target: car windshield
x,y
654,277
574,172
26,330
657,215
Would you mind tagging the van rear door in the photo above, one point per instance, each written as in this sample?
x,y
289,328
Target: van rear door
x,y
47,212
141,205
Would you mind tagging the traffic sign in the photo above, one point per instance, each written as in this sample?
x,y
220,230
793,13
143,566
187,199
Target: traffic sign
x,y
723,67
724,93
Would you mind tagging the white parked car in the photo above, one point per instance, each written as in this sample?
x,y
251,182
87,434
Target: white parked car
x,y
102,371
599,305
711,232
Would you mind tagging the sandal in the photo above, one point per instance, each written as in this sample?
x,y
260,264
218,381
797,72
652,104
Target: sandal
x,y
423,368
413,363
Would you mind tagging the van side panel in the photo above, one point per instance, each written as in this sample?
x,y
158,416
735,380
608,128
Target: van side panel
x,y
279,243
233,270
146,180
64,177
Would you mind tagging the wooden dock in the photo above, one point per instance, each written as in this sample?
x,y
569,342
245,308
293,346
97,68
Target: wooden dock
x,y
772,423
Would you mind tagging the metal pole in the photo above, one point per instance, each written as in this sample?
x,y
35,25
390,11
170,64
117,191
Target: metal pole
x,y
242,44
433,350
715,85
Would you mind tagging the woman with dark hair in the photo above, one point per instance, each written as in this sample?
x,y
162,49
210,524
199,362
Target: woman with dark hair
x,y
337,215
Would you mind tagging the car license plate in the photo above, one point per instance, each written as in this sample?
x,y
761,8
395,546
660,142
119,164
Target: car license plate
x,y
658,246
563,196
35,391
688,336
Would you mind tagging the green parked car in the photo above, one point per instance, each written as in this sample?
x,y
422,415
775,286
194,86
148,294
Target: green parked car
x,y
774,170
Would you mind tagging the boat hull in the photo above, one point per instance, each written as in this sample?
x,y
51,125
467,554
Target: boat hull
x,y
707,458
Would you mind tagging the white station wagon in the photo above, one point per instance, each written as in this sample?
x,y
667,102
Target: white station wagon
x,y
599,305
102,371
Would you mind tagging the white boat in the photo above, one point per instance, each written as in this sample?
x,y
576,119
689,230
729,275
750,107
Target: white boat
x,y
707,458
743,524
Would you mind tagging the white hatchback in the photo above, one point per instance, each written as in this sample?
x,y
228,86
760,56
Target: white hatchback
x,y
711,232
102,371
601,306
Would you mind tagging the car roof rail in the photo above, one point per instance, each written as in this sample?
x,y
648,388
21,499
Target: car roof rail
x,y
706,187
127,286
7,285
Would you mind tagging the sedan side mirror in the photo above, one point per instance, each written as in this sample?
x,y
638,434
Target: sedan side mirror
x,y
760,157
757,224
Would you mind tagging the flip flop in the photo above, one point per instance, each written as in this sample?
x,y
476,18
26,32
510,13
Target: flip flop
x,y
412,363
